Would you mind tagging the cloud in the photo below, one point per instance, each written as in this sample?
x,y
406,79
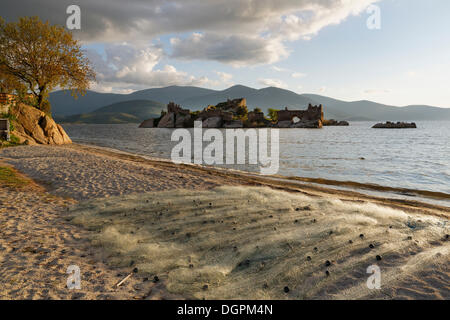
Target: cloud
x,y
125,64
298,75
376,91
224,77
238,32
273,83
237,50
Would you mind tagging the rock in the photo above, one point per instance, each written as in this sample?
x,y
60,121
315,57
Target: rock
x,y
167,121
284,124
33,126
307,124
393,125
333,122
233,124
149,123
378,257
181,120
213,122
286,289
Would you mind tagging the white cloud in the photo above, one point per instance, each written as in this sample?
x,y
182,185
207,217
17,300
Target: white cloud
x,y
224,77
298,75
273,83
376,91
127,65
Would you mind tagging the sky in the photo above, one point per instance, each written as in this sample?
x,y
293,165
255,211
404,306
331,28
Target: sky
x,y
307,46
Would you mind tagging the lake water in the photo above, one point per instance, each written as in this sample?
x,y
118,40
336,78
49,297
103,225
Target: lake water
x,y
408,158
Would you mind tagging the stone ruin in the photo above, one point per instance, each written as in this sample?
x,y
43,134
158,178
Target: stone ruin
x,y
309,118
229,115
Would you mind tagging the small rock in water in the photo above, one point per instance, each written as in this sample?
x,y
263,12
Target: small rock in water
x,y
286,289
315,249
327,273
191,266
361,235
446,237
135,270
409,238
265,286
308,258
350,241
378,258
331,232
155,279
327,263
205,287
296,221
371,246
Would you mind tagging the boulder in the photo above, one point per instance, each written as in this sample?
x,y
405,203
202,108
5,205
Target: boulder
x,y
167,121
393,125
149,123
181,120
33,126
312,124
213,122
233,124
333,122
284,124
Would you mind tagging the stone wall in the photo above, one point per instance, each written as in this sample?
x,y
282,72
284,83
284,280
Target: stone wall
x,y
254,116
312,113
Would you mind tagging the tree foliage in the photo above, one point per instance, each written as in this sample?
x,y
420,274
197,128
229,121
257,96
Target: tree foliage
x,y
273,114
39,57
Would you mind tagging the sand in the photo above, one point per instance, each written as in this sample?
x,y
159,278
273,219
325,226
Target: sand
x,y
109,213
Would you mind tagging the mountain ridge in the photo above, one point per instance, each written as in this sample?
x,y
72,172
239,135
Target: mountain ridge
x,y
196,98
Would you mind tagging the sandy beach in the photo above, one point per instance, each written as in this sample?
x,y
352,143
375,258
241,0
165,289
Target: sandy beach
x,y
196,233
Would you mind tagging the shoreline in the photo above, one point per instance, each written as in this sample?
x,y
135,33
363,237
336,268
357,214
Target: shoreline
x,y
110,212
308,186
407,195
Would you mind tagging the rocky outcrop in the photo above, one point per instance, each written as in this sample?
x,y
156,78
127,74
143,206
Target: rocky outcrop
x,y
33,126
333,122
395,125
167,121
233,124
149,123
213,122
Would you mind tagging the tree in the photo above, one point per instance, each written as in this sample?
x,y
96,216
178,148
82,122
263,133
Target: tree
x,y
42,57
273,114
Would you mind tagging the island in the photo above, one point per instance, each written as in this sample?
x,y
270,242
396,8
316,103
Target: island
x,y
395,125
234,114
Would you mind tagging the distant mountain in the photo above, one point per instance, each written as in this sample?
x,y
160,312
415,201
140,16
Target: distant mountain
x,y
197,98
134,111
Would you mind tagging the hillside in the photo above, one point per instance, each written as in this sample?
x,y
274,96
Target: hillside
x,y
197,98
133,111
